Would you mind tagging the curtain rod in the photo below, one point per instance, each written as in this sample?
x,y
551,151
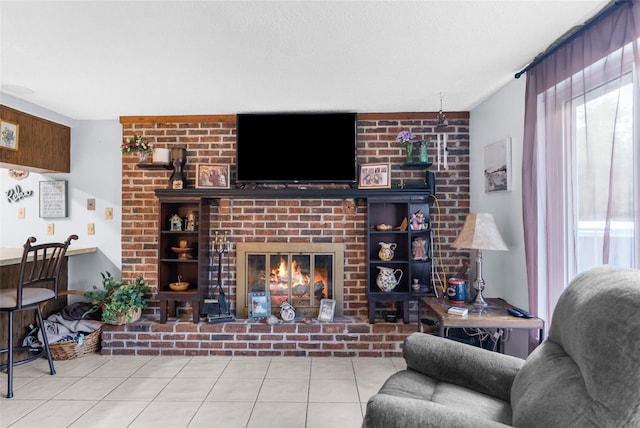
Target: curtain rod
x,y
569,35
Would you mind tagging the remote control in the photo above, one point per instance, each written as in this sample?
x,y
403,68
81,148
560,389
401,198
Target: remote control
x,y
515,313
522,312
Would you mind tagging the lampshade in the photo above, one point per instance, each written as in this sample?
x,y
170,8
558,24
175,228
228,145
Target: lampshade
x,y
479,232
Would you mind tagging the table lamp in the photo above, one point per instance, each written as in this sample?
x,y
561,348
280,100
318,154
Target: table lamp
x,y
479,232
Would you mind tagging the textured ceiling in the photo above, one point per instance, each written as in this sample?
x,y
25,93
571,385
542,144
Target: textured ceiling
x,y
103,59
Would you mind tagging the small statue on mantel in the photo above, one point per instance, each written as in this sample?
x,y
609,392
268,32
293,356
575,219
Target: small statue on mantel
x,y
176,223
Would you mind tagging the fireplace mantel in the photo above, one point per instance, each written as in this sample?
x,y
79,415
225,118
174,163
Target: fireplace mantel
x,y
282,192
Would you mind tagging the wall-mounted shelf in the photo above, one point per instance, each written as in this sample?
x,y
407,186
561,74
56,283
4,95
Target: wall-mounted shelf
x,y
416,165
155,166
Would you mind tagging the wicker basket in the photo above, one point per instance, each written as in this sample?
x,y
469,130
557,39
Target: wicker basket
x,y
69,349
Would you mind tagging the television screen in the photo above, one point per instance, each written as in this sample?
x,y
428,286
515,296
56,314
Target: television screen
x,y
290,148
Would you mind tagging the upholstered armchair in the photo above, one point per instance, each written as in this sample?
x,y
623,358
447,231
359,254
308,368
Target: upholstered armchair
x,y
585,374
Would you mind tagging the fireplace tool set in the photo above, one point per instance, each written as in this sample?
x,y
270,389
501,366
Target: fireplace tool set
x,y
217,309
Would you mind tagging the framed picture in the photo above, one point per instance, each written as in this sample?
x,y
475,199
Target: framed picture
x,y
9,135
327,308
497,166
53,199
212,176
375,176
259,305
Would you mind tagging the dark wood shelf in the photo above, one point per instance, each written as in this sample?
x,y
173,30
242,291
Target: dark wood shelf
x,y
289,193
166,166
416,165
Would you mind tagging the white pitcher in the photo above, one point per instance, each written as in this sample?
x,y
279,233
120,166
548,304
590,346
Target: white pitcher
x,y
387,279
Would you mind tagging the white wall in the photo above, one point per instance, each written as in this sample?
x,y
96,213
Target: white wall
x,y
498,117
96,171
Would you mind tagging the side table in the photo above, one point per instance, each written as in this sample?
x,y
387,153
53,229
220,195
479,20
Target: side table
x,y
495,315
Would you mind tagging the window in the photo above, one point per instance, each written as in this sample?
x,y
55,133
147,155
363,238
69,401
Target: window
x,y
605,165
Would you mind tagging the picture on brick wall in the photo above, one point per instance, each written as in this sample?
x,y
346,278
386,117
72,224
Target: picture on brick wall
x,y
497,166
375,176
212,176
259,305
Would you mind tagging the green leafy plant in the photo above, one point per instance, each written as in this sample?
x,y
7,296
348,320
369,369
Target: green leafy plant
x,y
118,300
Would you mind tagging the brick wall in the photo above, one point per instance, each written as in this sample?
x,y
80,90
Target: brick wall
x,y
211,139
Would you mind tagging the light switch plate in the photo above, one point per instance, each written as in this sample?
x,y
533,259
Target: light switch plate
x,y
21,213
50,229
108,213
91,204
91,229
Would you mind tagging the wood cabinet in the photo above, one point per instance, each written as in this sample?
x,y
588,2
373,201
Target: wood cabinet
x,y
410,243
43,146
183,252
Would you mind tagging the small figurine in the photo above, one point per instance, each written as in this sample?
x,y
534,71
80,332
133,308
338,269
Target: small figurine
x,y
417,221
191,222
176,223
418,249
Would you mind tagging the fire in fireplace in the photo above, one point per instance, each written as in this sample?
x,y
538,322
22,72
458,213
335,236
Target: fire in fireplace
x,y
301,274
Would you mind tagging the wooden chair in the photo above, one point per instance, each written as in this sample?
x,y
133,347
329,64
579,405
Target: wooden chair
x,y
36,284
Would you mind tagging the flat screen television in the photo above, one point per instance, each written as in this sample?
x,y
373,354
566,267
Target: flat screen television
x,y
291,148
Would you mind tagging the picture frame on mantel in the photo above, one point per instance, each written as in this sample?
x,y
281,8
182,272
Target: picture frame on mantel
x,y
212,176
375,176
327,309
9,135
259,304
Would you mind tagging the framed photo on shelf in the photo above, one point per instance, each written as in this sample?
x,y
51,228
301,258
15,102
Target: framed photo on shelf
x,y
53,199
8,135
259,305
327,309
212,176
375,176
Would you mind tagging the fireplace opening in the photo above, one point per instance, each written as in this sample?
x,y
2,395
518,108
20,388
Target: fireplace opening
x,y
300,274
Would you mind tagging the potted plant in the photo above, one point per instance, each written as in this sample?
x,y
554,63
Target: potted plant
x,y
121,302
138,144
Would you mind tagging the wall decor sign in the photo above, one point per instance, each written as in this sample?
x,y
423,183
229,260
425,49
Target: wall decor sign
x,y
375,176
8,135
53,199
212,176
497,166
17,194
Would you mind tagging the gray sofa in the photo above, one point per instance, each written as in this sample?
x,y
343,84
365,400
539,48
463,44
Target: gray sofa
x,y
585,374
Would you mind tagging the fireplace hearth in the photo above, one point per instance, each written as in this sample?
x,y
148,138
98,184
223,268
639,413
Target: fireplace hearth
x,y
301,274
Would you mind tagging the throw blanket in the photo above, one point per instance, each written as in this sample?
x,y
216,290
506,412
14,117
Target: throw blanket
x,y
58,328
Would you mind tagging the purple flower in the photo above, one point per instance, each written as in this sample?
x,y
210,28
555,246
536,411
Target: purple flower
x,y
404,136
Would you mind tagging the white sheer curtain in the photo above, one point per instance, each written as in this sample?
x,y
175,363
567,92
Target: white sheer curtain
x,y
581,161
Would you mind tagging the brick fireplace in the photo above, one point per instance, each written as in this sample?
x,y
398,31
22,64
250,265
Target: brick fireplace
x,y
211,139
300,274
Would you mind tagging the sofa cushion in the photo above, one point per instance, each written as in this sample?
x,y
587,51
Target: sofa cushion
x,y
410,399
586,373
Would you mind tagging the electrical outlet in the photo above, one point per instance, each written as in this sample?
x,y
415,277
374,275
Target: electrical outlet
x,y
50,229
108,213
91,229
21,213
91,204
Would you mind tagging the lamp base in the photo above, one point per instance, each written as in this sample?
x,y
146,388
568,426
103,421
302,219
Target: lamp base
x,y
479,300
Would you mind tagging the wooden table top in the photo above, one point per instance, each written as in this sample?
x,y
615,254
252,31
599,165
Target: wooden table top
x,y
495,315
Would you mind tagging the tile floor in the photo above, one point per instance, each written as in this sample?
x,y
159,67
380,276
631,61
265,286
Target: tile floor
x,y
173,392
